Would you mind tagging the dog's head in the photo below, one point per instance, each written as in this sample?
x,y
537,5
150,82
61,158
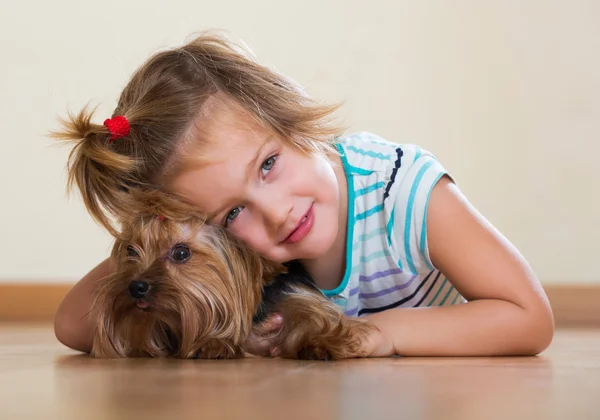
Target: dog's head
x,y
181,289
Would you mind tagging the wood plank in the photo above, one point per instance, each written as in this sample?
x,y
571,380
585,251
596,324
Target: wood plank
x,y
39,378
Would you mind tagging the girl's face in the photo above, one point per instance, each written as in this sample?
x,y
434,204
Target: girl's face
x,y
282,203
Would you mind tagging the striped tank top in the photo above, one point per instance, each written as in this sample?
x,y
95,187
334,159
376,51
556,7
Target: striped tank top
x,y
387,258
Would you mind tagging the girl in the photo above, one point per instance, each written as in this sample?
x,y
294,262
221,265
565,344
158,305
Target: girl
x,y
381,226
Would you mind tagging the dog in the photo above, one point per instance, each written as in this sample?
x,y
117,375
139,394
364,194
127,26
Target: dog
x,y
185,289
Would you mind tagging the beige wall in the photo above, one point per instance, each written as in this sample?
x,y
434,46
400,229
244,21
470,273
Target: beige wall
x,y
507,94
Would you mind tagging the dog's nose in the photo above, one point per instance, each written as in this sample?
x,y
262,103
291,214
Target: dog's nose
x,y
138,289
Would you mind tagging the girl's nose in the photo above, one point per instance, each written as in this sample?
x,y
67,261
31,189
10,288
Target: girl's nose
x,y
274,209
276,213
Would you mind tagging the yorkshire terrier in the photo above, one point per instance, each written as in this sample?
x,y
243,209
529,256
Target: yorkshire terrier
x,y
186,289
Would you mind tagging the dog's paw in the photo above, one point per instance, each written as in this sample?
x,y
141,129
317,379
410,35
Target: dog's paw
x,y
345,339
321,348
315,353
315,328
217,349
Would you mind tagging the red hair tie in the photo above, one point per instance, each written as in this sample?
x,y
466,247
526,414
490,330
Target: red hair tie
x,y
118,126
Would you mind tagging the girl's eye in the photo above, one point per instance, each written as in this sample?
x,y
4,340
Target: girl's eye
x,y
232,215
268,165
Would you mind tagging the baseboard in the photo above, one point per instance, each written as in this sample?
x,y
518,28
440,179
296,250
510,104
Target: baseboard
x,y
573,306
31,301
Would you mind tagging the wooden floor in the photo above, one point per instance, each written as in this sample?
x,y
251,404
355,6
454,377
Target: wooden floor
x,y
40,379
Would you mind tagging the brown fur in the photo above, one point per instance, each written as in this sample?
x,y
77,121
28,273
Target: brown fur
x,y
205,306
315,328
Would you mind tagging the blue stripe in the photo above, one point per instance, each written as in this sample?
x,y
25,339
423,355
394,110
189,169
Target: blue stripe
x,y
366,236
380,143
409,211
390,226
438,292
355,170
417,154
424,226
369,153
457,296
371,138
399,262
370,188
350,227
373,210
372,256
446,297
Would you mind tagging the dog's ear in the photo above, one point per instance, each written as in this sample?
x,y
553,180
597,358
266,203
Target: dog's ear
x,y
162,340
253,263
209,327
272,269
105,340
105,343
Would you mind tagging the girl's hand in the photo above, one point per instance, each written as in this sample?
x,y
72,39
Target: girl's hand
x,y
378,344
261,340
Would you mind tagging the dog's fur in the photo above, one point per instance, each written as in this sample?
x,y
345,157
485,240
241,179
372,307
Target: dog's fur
x,y
208,305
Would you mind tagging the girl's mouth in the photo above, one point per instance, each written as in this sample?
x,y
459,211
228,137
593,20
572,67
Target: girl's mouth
x,y
304,227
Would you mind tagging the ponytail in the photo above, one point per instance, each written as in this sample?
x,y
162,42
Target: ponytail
x,y
101,175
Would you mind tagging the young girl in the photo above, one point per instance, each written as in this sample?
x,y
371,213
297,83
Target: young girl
x,y
381,226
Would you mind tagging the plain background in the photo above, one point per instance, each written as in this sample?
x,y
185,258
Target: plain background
x,y
505,94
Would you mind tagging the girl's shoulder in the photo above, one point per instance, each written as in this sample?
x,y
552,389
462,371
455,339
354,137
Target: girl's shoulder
x,y
365,153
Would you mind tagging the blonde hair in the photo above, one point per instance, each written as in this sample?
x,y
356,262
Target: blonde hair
x,y
161,101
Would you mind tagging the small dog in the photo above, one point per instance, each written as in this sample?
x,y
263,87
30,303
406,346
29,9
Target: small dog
x,y
185,289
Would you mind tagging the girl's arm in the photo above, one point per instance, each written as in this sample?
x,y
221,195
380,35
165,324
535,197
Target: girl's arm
x,y
72,326
508,312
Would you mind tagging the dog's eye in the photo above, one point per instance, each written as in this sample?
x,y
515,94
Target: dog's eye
x,y
131,252
180,254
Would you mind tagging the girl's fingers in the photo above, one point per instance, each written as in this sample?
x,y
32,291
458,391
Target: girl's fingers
x,y
262,338
272,324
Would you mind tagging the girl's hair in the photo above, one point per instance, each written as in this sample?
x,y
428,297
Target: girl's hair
x,y
162,100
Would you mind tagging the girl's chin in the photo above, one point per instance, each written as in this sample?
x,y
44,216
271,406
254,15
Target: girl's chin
x,y
312,251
